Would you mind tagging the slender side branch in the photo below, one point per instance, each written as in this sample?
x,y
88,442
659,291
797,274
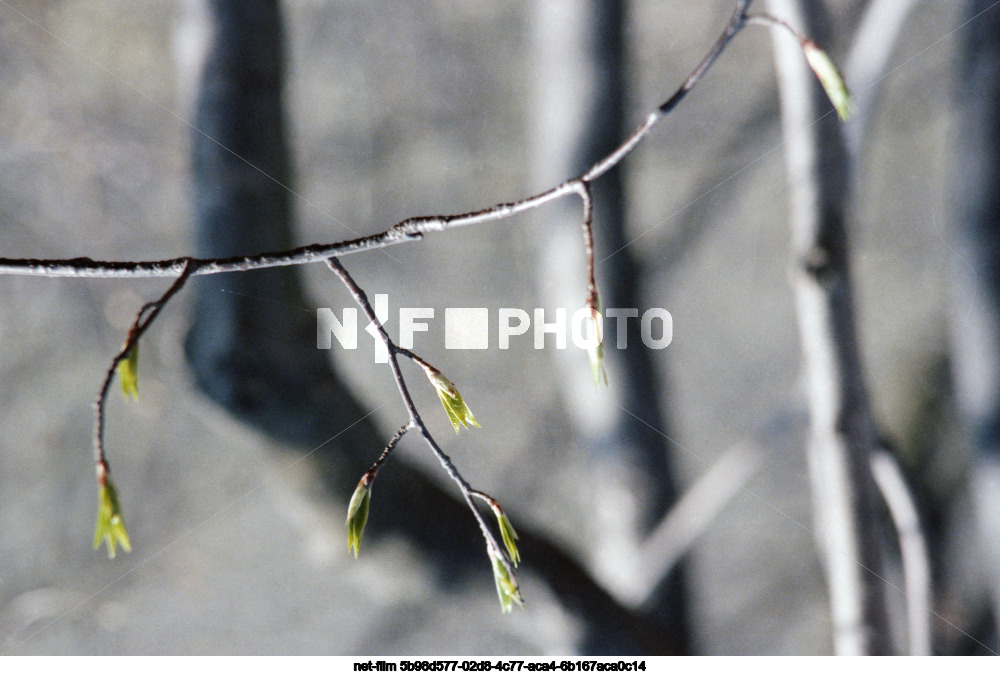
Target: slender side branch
x,y
583,189
388,449
147,314
357,510
770,21
595,349
506,529
503,565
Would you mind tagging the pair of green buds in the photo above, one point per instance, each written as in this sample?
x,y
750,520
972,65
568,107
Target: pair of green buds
x,y
507,588
110,527
357,516
460,416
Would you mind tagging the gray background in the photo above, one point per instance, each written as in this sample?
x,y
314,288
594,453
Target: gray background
x,y
401,109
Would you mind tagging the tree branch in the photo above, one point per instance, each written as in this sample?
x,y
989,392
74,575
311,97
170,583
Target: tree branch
x,y
411,229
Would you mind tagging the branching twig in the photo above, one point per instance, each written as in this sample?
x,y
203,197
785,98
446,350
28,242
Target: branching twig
x,y
468,492
583,189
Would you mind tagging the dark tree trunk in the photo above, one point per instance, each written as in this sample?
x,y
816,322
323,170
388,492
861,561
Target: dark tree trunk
x,y
976,312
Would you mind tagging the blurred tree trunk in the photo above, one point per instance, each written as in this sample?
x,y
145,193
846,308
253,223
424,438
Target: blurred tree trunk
x,y
842,433
580,98
976,309
252,344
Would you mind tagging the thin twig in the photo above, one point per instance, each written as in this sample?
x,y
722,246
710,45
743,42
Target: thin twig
x,y
587,224
428,368
144,318
171,267
736,23
771,21
372,473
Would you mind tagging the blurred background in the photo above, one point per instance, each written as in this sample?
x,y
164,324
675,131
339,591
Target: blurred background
x,y
235,466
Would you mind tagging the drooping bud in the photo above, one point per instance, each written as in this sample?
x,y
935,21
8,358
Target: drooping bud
x,y
828,75
595,348
357,513
128,373
507,588
507,533
110,526
454,405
